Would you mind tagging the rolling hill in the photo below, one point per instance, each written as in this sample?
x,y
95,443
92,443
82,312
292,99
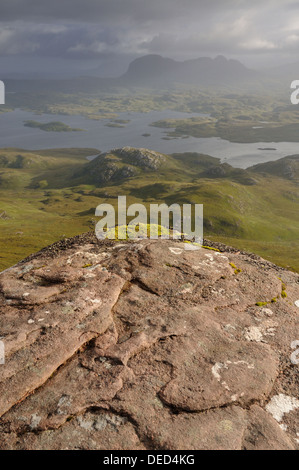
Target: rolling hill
x,y
48,195
287,167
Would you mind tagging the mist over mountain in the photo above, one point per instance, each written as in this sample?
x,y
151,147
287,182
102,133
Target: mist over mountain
x,y
286,72
150,71
154,69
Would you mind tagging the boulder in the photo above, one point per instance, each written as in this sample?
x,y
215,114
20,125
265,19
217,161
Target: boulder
x,y
148,345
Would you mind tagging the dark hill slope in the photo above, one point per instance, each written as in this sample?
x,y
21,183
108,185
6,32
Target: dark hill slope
x,y
287,167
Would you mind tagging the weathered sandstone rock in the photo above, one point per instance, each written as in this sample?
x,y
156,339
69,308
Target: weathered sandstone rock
x,y
146,345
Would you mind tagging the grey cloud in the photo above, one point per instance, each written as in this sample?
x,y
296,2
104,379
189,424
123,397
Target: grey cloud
x,y
97,10
110,29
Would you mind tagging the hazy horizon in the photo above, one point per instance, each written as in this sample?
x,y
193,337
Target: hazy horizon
x,y
101,37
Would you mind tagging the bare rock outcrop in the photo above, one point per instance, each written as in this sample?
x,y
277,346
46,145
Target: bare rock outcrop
x,y
147,345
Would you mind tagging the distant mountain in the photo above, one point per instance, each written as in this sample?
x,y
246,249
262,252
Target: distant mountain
x,y
150,70
154,69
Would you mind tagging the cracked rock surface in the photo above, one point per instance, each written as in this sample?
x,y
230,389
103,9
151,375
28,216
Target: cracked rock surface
x,y
148,345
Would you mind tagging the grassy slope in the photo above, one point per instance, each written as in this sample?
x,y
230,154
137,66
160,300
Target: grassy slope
x,y
44,203
32,221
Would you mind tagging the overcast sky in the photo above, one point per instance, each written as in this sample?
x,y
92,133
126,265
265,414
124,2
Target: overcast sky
x,y
103,36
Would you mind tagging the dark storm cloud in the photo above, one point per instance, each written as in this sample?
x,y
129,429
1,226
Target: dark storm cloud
x,y
178,28
96,10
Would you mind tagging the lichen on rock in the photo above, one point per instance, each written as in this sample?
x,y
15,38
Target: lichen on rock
x,y
146,345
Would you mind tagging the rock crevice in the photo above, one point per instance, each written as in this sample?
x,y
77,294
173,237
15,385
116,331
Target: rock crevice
x,y
147,345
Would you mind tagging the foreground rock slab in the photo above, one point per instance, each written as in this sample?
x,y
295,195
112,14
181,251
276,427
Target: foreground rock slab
x,y
147,345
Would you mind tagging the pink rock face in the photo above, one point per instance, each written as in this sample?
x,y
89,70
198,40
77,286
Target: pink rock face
x,y
147,346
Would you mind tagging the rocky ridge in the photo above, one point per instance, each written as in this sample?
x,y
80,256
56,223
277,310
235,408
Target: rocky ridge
x,y
147,345
120,164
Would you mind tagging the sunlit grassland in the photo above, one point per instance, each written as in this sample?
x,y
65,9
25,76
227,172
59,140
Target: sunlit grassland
x,y
43,203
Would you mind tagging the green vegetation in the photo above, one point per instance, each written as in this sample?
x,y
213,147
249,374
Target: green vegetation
x,y
263,115
107,105
283,291
283,295
115,125
281,127
273,301
263,108
126,232
54,126
36,217
118,123
236,270
47,195
210,248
